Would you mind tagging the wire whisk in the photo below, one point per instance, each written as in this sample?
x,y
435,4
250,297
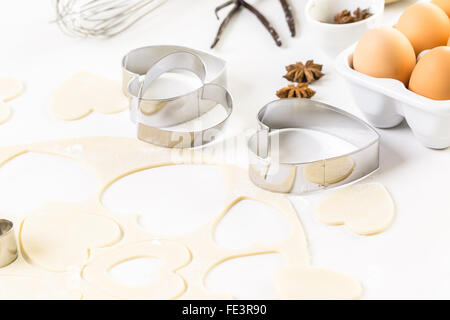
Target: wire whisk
x,y
101,18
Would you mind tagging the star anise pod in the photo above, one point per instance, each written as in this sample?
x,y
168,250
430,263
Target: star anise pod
x,y
304,73
300,90
359,14
343,17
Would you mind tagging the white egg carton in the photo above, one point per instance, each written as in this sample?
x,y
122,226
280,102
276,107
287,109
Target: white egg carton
x,y
386,102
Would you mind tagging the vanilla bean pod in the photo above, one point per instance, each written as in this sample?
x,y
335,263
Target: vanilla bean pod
x,y
237,6
264,21
289,16
226,4
225,23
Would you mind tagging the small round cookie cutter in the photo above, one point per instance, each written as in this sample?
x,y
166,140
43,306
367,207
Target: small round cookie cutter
x,y
155,117
302,126
8,246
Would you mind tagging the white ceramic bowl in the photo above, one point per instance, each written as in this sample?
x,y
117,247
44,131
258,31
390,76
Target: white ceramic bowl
x,y
333,38
386,102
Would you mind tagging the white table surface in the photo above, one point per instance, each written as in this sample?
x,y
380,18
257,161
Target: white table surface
x,y
409,260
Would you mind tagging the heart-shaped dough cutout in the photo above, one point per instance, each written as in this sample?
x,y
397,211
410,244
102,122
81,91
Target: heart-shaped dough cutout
x,y
248,222
166,200
365,209
85,92
57,238
10,88
308,283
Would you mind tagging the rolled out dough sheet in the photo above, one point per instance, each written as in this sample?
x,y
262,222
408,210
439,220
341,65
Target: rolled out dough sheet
x,y
308,283
365,209
37,288
85,92
87,240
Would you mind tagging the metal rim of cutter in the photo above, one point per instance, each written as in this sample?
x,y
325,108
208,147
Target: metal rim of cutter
x,y
8,245
155,116
294,177
138,61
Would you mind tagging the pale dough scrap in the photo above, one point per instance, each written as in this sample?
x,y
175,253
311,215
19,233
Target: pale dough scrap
x,y
10,88
50,287
58,237
168,285
309,283
85,92
5,112
365,209
330,171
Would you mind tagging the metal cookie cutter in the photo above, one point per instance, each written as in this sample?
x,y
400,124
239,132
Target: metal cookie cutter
x,y
303,146
155,117
8,246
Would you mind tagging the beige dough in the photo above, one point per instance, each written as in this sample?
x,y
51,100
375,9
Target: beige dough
x,y
308,283
85,92
168,285
58,237
5,112
37,288
364,208
330,171
85,239
10,88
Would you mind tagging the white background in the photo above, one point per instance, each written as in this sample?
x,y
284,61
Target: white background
x,y
410,260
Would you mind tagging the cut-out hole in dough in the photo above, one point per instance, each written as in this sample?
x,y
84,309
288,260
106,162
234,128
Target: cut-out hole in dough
x,y
166,285
171,200
365,209
32,179
249,222
248,277
136,272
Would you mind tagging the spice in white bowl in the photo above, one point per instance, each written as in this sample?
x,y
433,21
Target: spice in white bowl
x,y
333,38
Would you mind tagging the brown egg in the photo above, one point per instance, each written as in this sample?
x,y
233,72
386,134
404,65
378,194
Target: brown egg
x,y
431,76
444,5
448,43
385,53
425,25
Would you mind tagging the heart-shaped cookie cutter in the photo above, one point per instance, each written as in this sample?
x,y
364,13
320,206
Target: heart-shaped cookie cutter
x,y
8,245
155,116
269,171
